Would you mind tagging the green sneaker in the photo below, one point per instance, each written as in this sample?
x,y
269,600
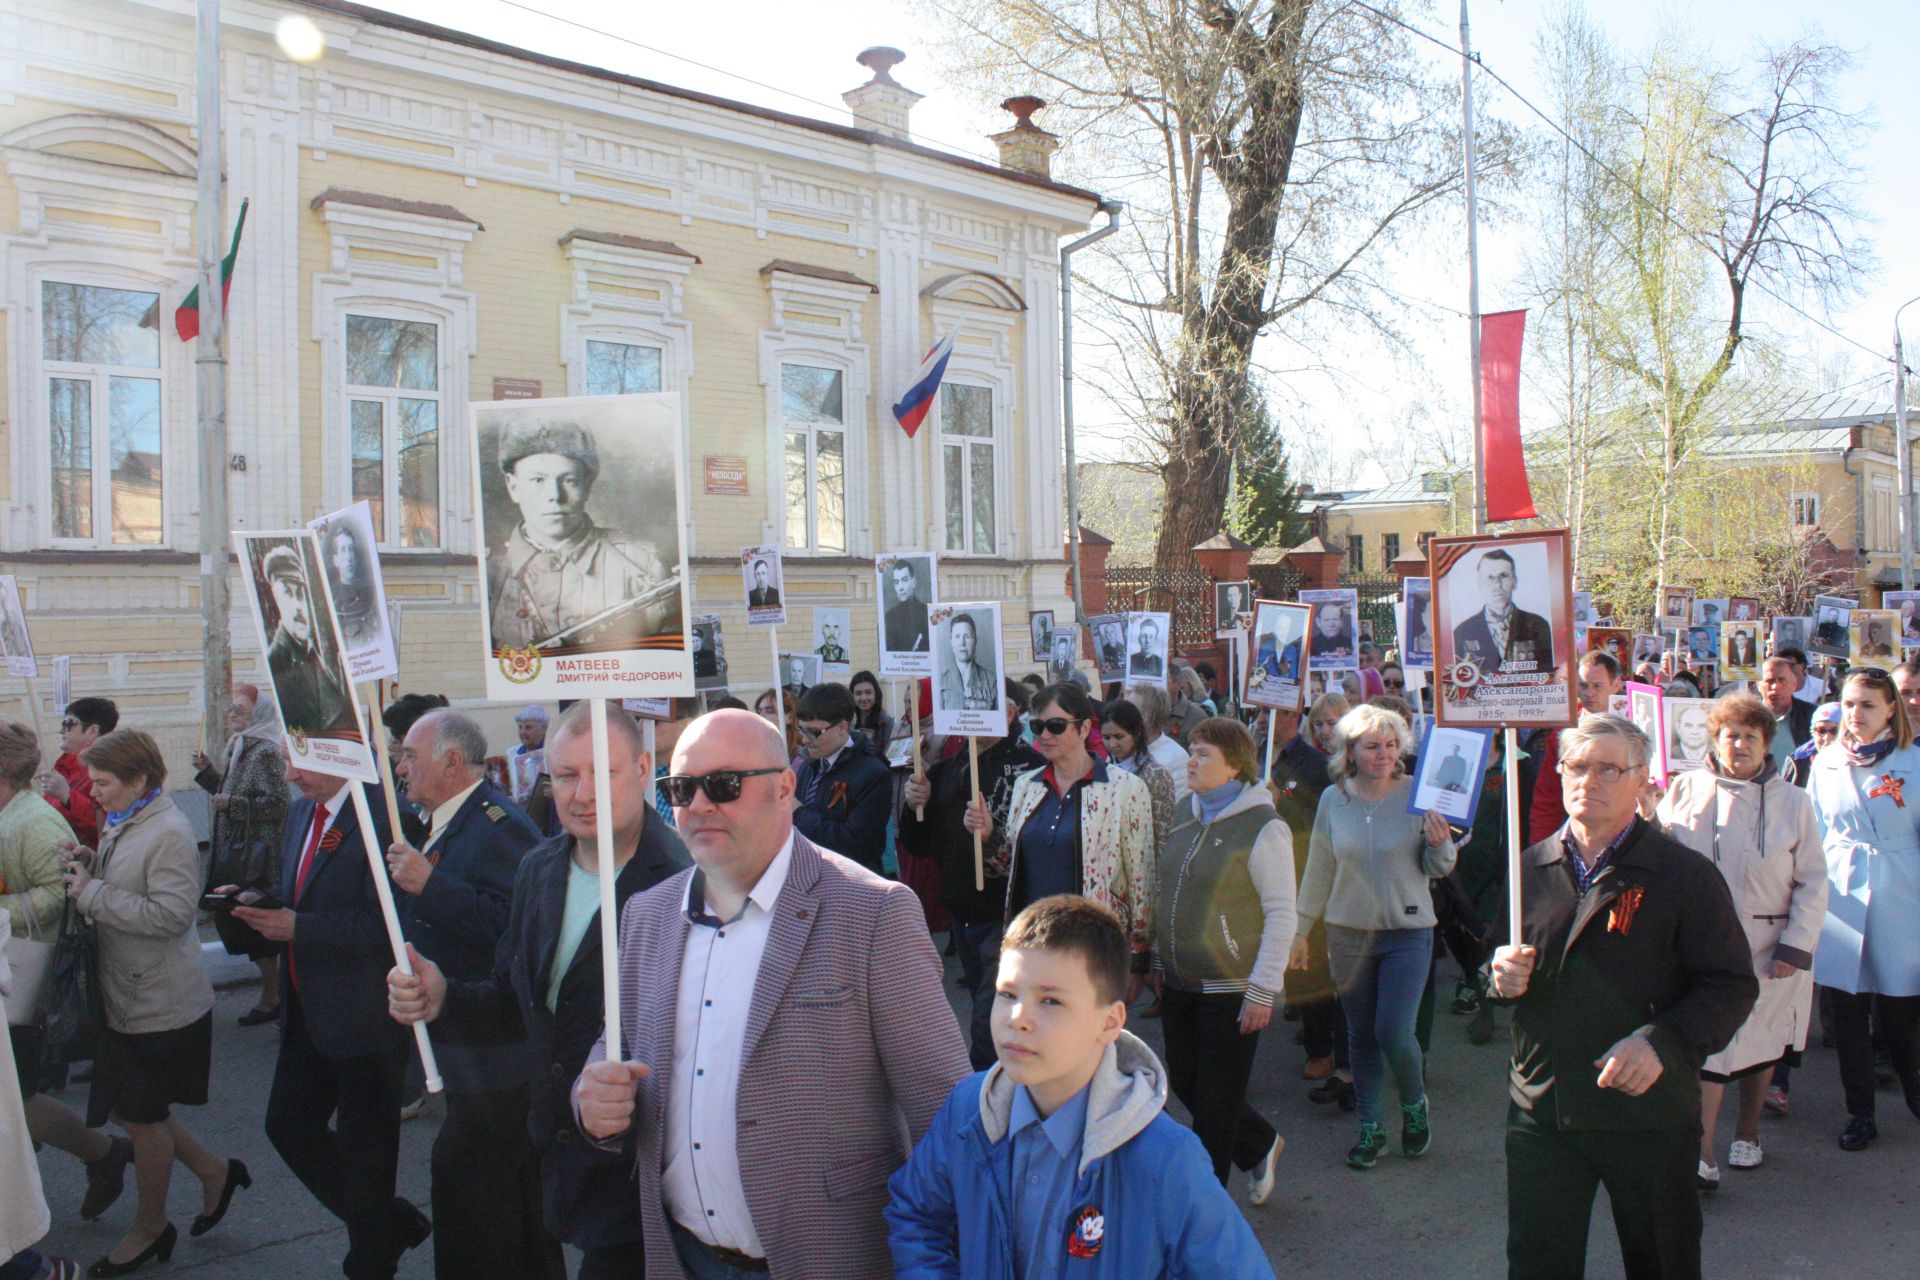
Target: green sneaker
x,y
1416,1135
1365,1153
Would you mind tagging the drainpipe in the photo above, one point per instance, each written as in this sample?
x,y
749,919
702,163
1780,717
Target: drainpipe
x,y
1112,208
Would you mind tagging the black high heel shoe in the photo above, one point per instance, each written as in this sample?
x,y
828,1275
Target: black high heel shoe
x,y
237,1177
161,1248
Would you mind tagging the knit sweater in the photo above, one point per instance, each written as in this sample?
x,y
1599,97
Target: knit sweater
x,y
1368,863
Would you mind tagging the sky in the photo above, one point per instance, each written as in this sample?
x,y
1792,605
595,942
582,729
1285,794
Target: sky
x,y
799,57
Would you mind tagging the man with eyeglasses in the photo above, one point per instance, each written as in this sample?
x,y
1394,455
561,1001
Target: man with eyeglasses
x,y
787,1035
1632,970
844,791
545,980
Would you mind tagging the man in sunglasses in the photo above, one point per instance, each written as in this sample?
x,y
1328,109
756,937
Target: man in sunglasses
x,y
786,1030
545,981
845,789
68,787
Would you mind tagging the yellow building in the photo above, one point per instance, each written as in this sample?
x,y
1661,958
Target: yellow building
x,y
437,219
1378,526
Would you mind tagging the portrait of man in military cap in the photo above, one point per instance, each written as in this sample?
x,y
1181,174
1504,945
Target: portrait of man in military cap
x,y
572,568
303,661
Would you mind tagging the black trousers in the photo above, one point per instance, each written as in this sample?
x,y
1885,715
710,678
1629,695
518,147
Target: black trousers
x,y
349,1166
486,1193
615,1262
1649,1176
1208,1065
1854,1018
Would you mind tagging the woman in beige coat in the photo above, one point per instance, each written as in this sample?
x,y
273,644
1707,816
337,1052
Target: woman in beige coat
x,y
1758,828
141,890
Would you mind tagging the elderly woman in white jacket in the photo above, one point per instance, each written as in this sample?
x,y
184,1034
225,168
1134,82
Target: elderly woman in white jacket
x,y
1759,830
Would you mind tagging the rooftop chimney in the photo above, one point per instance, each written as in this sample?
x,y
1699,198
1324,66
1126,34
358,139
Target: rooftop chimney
x,y
1026,147
882,103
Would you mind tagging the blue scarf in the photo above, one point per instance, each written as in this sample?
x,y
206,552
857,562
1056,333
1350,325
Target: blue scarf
x,y
1214,803
115,819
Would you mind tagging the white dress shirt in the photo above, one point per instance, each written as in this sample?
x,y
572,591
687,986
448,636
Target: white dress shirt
x,y
443,814
701,1183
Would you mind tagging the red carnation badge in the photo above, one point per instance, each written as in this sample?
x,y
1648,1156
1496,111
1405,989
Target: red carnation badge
x,y
1088,1234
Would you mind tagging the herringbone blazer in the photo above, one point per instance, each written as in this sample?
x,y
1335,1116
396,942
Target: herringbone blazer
x,y
851,1049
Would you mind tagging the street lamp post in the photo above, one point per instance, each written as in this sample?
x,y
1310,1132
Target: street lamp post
x,y
1902,443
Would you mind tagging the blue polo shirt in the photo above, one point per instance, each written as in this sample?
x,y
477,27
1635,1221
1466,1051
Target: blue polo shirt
x,y
1049,845
1045,1154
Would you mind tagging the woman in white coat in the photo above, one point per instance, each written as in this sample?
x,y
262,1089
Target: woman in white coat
x,y
23,1209
1758,829
1869,949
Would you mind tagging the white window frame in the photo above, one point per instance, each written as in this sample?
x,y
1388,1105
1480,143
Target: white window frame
x,y
389,399
1804,503
997,442
818,322
1883,525
986,320
811,546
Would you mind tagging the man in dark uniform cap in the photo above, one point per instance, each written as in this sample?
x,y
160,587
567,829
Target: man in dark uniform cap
x,y
311,701
558,569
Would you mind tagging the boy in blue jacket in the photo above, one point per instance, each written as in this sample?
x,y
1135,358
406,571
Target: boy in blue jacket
x,y
1058,1163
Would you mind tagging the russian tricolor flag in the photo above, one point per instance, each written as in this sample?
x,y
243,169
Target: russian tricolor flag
x,y
917,403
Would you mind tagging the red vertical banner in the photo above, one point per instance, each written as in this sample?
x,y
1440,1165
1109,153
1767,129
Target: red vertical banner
x,y
1509,496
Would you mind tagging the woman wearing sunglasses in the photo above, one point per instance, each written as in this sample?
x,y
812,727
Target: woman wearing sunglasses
x,y
1078,826
1869,951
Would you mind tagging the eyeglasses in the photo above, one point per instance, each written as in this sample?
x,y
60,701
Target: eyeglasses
x,y
69,723
722,786
810,734
1393,684
1055,726
1578,770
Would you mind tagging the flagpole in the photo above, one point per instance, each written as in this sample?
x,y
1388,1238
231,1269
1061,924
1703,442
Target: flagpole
x,y
210,378
1112,209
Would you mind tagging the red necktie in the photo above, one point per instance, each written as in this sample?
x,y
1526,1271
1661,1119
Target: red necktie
x,y
300,879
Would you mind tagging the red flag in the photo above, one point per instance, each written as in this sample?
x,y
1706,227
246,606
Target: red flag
x,y
1509,497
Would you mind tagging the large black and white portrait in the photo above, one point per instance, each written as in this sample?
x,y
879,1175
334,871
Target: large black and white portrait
x,y
799,672
1790,631
1503,630
1147,637
305,660
709,653
1232,607
763,586
967,658
1501,615
831,631
16,643
1334,642
1832,623
1110,645
1709,611
1688,742
1063,647
352,567
1040,632
582,504
904,588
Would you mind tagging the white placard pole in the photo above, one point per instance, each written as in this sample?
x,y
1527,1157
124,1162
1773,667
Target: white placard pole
x,y
383,889
1273,736
1511,765
609,920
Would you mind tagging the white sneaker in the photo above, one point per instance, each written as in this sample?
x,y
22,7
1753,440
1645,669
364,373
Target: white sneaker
x,y
1707,1177
1262,1185
1745,1155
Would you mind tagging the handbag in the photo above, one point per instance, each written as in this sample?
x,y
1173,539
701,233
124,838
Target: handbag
x,y
31,960
74,1009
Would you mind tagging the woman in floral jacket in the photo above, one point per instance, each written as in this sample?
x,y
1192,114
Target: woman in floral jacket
x,y
1079,826
249,807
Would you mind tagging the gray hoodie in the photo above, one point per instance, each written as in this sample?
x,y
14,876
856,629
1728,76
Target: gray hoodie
x,y
1128,1090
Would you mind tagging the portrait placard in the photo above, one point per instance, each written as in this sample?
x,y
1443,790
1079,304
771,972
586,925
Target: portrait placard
x,y
1646,707
1232,603
1065,652
350,555
832,632
1790,631
1617,641
1110,645
799,672
1450,773
1334,642
16,643
968,696
523,772
1875,635
709,653
1583,610
62,682
584,585
1740,650
905,584
1277,675
1040,632
1688,742
763,584
1832,620
1647,648
1676,608
1415,621
1905,605
1743,609
1703,643
1709,612
1148,635
306,664
1503,630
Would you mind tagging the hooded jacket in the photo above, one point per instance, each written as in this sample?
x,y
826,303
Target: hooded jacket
x,y
846,807
1157,1209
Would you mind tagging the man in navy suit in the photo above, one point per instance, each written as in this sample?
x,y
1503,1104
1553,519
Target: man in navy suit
x,y
459,887
340,1055
1502,633
545,981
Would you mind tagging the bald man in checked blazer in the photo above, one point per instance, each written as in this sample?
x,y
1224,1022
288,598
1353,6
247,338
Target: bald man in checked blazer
x,y
787,1035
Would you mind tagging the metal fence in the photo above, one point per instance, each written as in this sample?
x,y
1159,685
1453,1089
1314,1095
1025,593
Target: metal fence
x,y
1185,593
1377,592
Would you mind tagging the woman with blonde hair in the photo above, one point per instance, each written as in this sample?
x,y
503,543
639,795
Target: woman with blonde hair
x,y
1368,864
1758,829
1324,717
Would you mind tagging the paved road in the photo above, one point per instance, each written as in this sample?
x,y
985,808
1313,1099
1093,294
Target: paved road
x,y
1813,1210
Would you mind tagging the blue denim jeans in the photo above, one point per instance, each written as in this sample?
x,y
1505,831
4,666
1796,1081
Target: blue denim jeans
x,y
1380,977
979,948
